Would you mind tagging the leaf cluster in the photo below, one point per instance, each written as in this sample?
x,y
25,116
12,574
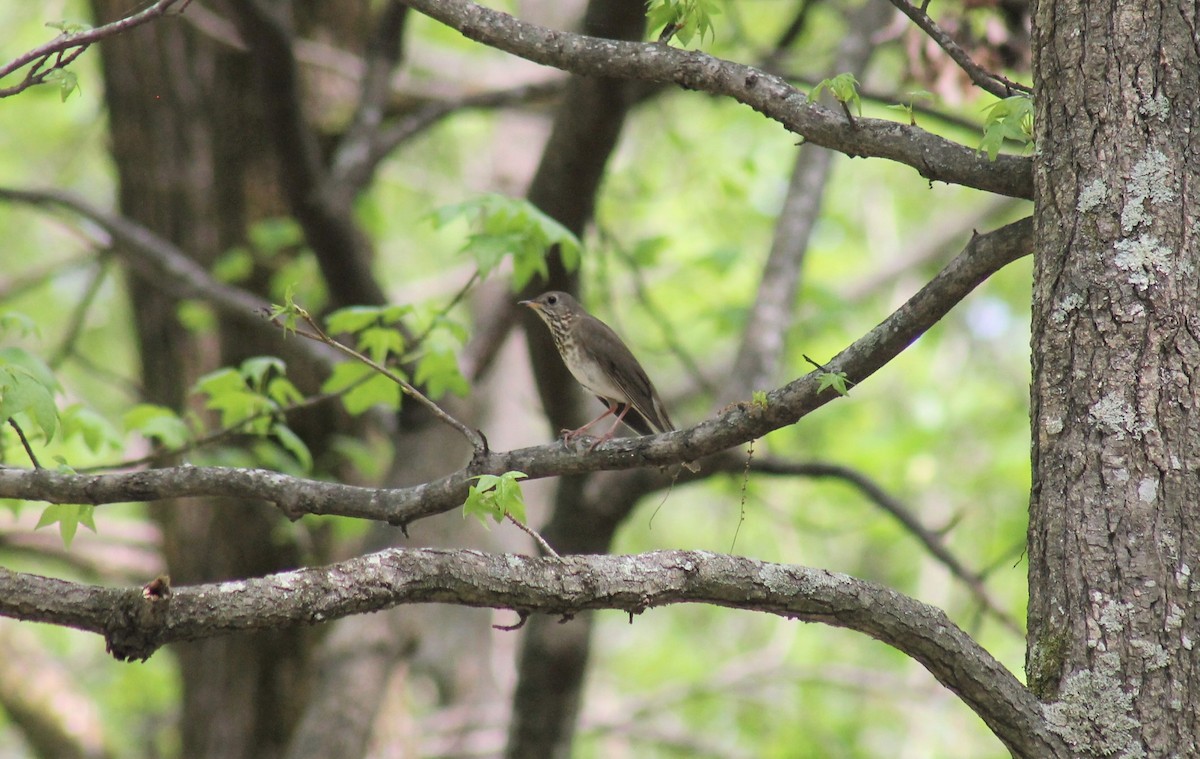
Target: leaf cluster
x,y
505,226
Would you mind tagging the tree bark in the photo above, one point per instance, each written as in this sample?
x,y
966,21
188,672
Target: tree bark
x,y
1114,529
192,166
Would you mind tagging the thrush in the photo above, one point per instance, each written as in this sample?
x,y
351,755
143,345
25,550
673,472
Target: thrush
x,y
602,363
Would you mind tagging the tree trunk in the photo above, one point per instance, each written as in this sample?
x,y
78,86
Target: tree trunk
x,y
1115,511
191,165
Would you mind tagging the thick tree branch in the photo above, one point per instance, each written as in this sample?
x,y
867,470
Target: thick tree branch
x,y
934,157
67,47
134,626
984,255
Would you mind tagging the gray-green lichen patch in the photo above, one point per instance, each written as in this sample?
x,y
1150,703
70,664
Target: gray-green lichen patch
x,y
1154,654
1157,107
1143,260
1114,414
1151,182
1148,490
1064,307
1095,714
1092,195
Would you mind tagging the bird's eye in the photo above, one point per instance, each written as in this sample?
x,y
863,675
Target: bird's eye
x,y
552,299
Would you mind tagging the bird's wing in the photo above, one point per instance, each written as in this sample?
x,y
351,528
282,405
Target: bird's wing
x,y
632,381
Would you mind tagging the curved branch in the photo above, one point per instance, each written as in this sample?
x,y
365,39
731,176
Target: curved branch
x,y
68,47
984,255
931,540
135,625
933,157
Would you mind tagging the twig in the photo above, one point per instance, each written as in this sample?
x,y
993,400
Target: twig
x,y
24,441
476,440
984,79
454,301
533,534
75,43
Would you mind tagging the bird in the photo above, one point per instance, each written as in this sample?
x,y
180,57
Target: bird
x,y
601,362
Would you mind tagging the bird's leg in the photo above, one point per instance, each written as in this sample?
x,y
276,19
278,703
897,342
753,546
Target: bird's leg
x,y
608,435
569,435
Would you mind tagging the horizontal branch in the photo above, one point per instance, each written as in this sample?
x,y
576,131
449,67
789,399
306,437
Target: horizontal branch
x,y
934,157
741,422
135,623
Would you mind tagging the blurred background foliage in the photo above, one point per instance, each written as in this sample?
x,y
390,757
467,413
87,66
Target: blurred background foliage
x,y
684,221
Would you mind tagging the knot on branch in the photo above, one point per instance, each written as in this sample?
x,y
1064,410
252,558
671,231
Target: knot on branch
x,y
136,626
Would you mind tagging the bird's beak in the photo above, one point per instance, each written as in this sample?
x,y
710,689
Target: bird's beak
x,y
531,303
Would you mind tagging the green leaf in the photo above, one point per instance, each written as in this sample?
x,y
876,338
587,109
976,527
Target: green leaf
x,y
836,380
292,443
67,82
365,387
196,316
290,312
368,458
301,275
759,398
68,27
236,265
27,385
157,423
378,342
97,432
352,319
510,226
274,234
494,496
438,371
221,382
685,19
843,88
15,322
1010,118
282,391
68,516
256,368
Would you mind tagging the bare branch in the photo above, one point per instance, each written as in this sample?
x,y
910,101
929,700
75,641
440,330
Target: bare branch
x,y
67,47
985,80
356,161
931,540
741,422
134,626
935,158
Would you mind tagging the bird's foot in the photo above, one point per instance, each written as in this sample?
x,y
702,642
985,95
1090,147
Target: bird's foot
x,y
599,440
